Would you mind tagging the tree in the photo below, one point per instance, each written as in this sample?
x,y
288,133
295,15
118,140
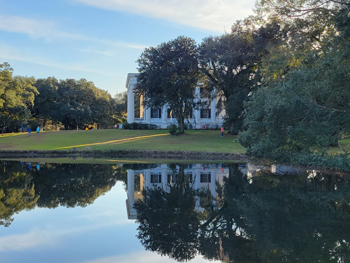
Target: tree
x,y
305,110
47,102
73,103
168,219
121,100
231,65
16,98
168,76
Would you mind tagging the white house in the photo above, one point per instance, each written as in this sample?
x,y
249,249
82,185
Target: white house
x,y
162,117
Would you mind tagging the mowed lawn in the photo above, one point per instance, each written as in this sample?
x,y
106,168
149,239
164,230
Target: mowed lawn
x,y
112,139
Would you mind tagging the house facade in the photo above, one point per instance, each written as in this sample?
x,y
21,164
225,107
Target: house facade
x,y
162,117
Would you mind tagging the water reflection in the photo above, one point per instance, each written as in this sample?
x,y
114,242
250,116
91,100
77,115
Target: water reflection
x,y
200,177
26,186
231,212
251,214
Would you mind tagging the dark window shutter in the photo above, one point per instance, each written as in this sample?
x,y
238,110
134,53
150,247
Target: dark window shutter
x,y
160,113
160,178
209,113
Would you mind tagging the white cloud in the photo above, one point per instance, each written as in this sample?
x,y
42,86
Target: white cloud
x,y
48,236
49,31
32,27
9,53
25,241
144,257
214,15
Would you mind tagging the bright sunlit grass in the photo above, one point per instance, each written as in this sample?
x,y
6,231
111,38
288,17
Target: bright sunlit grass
x,y
157,140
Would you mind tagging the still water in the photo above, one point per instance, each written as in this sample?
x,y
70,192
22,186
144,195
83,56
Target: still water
x,y
93,213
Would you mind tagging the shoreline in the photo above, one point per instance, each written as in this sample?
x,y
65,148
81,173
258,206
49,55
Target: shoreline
x,y
134,154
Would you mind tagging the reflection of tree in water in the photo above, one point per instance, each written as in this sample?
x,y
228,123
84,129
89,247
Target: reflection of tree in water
x,y
72,184
296,218
52,186
271,218
168,220
16,192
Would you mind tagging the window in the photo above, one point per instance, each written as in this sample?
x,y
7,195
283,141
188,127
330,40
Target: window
x,y
156,178
156,113
205,178
205,113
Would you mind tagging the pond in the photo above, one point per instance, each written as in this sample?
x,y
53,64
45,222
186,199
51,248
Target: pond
x,y
212,212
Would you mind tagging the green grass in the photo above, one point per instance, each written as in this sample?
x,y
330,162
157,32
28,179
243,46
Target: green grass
x,y
344,146
161,140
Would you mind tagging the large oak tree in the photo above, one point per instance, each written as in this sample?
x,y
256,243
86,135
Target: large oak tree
x,y
168,76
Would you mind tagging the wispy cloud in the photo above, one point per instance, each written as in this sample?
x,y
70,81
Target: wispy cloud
x,y
9,53
48,237
32,27
49,31
214,15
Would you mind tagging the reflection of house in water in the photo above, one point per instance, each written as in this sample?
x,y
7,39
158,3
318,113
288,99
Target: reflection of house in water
x,y
201,177
255,170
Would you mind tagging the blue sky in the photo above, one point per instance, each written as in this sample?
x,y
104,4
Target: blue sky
x,y
100,40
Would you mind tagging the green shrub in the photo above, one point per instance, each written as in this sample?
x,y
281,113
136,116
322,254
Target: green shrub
x,y
139,126
172,129
126,125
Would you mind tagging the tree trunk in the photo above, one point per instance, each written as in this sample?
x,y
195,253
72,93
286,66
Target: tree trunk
x,y
181,123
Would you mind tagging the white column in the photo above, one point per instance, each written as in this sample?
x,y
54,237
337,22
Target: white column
x,y
165,176
131,104
164,115
213,185
148,115
197,112
131,187
198,179
213,108
148,178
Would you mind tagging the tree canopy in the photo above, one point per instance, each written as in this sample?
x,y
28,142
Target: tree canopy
x,y
71,103
17,96
231,66
303,107
168,76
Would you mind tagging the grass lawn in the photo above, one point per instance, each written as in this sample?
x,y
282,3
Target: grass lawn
x,y
192,140
344,146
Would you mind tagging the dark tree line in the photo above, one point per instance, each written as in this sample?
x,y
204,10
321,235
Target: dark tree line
x,y
68,103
